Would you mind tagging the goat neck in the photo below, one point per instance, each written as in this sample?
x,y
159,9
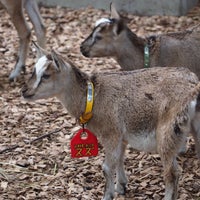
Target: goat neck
x,y
132,46
74,95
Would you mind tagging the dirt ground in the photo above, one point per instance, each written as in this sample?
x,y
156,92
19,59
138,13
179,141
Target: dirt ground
x,y
35,167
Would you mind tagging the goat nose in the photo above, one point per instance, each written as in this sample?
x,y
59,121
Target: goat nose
x,y
81,47
84,51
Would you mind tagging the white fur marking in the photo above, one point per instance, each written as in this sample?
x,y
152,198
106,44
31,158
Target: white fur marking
x,y
40,65
193,103
101,21
105,167
39,69
192,108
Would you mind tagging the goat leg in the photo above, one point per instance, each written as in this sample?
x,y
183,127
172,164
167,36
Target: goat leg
x,y
171,179
196,132
36,19
113,151
15,10
169,144
109,185
120,172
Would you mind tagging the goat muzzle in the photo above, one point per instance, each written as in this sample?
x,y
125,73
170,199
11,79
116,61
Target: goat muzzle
x,y
85,51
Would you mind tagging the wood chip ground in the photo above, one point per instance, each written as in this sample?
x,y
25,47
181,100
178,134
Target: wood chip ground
x,y
32,168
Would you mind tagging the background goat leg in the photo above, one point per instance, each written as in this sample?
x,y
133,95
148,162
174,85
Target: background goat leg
x,y
170,139
15,10
196,130
36,19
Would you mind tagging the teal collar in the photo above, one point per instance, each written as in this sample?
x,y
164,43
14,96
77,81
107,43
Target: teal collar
x,y
150,42
146,56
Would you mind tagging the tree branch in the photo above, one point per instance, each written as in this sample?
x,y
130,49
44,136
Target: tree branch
x,y
13,147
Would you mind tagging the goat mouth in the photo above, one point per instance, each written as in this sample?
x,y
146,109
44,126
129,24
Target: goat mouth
x,y
84,52
27,96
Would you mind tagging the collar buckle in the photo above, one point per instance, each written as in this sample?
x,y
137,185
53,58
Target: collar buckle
x,y
146,56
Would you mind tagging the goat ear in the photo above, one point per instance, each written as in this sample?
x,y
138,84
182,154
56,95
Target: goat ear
x,y
40,51
119,20
118,27
113,12
59,63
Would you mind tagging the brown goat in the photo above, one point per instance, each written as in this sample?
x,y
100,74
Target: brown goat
x,y
150,109
113,38
15,10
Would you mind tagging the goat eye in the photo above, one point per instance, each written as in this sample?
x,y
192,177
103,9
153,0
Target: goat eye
x,y
45,76
98,37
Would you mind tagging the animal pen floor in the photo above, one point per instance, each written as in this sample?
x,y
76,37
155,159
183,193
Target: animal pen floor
x,y
35,167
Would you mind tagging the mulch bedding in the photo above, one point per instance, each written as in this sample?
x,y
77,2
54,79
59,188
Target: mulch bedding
x,y
35,160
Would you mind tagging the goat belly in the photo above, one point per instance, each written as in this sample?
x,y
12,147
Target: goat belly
x,y
143,141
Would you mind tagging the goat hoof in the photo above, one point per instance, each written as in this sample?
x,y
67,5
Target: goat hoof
x,y
121,189
23,69
182,152
16,73
12,78
108,196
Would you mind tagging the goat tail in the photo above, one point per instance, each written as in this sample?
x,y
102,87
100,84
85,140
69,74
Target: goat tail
x,y
196,94
190,104
193,95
